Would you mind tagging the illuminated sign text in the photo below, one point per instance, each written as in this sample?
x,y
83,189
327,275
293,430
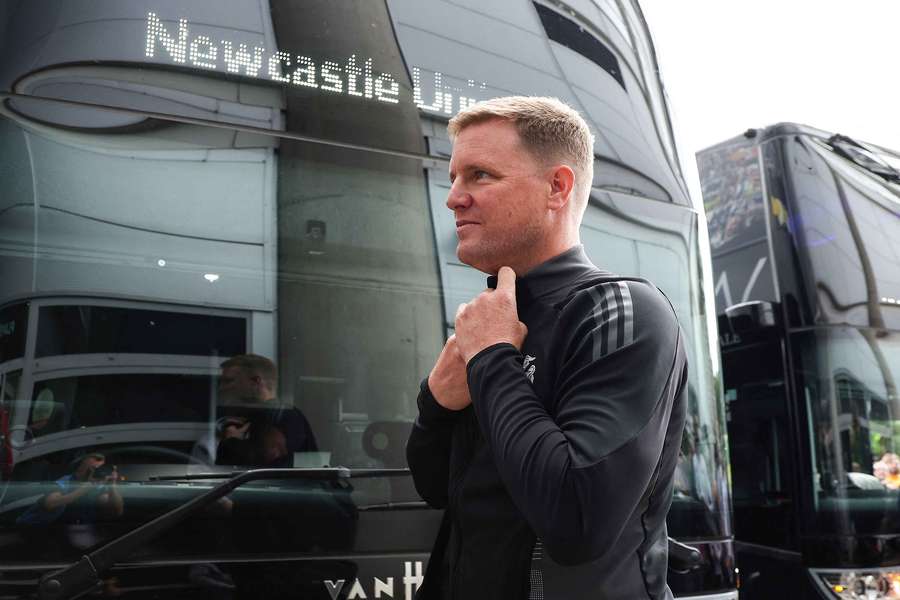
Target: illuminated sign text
x,y
353,76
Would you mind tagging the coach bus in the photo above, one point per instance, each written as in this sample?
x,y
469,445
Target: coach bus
x,y
184,183
805,233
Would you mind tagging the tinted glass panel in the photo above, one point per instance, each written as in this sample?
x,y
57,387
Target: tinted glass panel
x,y
280,166
574,36
846,222
849,384
13,326
351,319
91,401
759,441
90,329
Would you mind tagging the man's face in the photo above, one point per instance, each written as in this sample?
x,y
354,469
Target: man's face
x,y
498,196
236,386
87,466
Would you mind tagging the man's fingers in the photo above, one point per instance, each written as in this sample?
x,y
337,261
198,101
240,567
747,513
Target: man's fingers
x,y
451,346
506,281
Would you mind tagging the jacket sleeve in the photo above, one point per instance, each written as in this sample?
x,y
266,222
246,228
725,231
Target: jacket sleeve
x,y
428,448
580,473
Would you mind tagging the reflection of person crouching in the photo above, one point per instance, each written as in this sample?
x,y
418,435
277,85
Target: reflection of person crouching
x,y
82,499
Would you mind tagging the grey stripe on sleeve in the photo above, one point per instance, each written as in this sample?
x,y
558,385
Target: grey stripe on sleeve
x,y
606,311
618,340
613,317
628,310
597,334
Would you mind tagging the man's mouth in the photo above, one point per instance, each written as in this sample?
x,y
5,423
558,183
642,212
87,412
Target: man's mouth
x,y
463,222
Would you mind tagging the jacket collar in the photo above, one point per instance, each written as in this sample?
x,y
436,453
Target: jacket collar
x,y
551,280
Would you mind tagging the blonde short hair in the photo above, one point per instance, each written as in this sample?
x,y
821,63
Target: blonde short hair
x,y
549,128
255,365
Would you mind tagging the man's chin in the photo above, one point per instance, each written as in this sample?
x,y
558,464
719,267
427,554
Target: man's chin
x,y
474,259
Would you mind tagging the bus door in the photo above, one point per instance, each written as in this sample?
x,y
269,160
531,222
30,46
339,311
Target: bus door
x,y
761,456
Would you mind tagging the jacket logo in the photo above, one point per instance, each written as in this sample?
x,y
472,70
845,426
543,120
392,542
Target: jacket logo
x,y
529,367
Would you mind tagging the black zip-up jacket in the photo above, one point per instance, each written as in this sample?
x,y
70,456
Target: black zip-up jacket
x,y
558,478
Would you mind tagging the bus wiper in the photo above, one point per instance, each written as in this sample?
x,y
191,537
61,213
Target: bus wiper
x,y
863,157
351,474
84,576
683,557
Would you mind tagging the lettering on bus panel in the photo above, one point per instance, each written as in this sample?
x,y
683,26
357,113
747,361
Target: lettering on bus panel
x,y
354,76
380,587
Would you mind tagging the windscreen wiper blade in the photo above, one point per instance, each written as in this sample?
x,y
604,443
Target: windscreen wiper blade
x,y
863,157
352,474
84,576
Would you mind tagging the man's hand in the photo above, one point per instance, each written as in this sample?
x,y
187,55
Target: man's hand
x,y
114,477
447,380
491,318
236,429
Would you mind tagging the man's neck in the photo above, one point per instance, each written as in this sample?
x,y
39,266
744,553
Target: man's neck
x,y
523,268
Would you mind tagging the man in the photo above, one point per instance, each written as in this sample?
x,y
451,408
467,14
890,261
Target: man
x,y
258,431
81,494
550,424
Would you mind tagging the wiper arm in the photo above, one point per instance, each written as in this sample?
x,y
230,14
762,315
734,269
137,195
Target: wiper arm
x,y
683,557
84,576
354,474
863,157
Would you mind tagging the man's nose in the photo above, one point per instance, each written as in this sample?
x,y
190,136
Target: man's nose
x,y
458,197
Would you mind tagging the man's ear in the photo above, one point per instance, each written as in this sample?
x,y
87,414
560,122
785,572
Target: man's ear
x,y
562,186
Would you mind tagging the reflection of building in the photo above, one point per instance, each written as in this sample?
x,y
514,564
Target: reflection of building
x,y
863,422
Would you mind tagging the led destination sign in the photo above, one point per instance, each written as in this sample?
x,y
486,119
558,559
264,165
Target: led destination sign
x,y
353,76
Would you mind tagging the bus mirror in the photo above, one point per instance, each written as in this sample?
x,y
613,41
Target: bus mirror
x,y
750,316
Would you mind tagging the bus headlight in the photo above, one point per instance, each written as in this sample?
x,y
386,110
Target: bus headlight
x,y
862,584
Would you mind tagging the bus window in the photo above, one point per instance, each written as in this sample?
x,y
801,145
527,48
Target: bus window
x,y
13,324
848,376
108,329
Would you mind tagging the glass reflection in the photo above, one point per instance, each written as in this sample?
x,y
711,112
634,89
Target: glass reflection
x,y
849,381
660,247
848,222
271,184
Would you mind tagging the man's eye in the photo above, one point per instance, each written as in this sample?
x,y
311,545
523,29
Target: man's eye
x,y
481,174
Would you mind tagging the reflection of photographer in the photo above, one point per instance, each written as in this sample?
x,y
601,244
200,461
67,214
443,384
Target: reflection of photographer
x,y
88,493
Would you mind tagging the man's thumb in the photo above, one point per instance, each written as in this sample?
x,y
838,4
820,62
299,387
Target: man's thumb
x,y
506,281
